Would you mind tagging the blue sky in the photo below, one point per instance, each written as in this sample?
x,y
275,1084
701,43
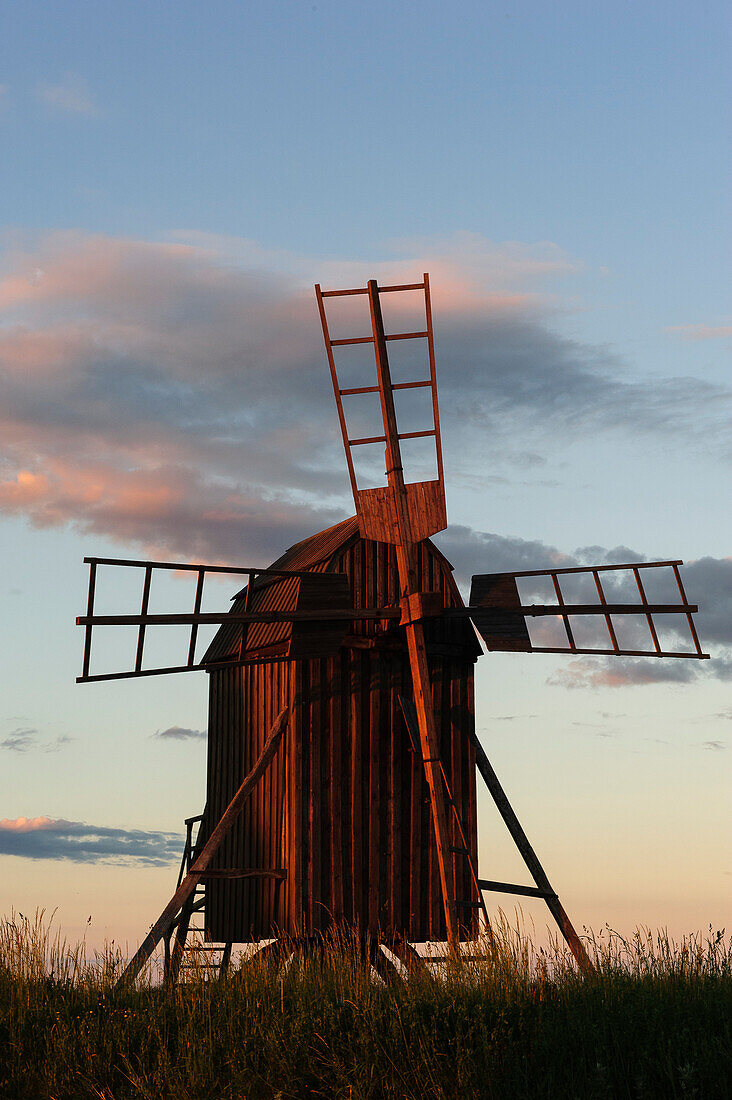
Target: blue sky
x,y
177,178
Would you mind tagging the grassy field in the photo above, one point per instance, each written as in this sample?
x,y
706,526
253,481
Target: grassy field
x,y
655,1020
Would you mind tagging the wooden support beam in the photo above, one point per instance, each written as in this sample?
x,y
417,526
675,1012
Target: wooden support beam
x,y
530,857
185,891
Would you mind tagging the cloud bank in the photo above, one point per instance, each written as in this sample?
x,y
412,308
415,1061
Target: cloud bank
x,y
707,582
46,838
174,395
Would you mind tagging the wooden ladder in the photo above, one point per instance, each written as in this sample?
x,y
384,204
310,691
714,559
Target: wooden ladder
x,y
185,955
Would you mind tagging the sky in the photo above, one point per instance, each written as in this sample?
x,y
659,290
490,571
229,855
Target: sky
x,y
176,178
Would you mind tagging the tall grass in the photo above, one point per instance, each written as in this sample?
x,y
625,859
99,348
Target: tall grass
x,y
654,1020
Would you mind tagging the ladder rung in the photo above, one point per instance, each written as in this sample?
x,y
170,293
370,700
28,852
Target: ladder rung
x,y
458,850
415,435
341,293
404,336
354,340
371,439
364,290
375,389
407,286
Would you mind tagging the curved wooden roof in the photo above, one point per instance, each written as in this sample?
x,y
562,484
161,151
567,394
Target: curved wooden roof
x,y
318,554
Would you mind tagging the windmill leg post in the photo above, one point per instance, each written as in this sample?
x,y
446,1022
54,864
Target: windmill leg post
x,y
383,966
185,891
225,959
530,858
410,959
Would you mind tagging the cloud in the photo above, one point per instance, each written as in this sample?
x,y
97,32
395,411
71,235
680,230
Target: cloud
x,y
46,838
702,332
26,738
707,582
58,743
70,95
471,551
714,746
180,733
614,672
174,394
512,717
20,740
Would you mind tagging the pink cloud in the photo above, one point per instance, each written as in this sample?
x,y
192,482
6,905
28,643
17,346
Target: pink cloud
x,y
702,332
26,824
175,394
618,672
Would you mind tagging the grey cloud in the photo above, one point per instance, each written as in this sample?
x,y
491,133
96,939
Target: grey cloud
x,y
512,717
471,551
27,739
78,842
20,740
516,367
595,672
167,366
180,733
707,582
714,746
58,743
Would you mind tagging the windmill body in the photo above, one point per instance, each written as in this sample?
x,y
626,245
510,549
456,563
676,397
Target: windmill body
x,y
343,759
347,815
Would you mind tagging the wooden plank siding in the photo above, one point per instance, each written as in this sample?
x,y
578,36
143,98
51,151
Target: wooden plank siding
x,y
349,818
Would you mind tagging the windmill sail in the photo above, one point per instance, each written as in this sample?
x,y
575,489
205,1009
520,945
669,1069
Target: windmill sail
x,y
314,617
425,500
502,619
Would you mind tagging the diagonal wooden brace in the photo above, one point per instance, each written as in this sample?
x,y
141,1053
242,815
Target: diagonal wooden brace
x,y
201,864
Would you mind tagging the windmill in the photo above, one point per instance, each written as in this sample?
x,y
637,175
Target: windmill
x,y
342,757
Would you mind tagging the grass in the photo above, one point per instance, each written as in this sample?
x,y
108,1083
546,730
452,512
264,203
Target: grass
x,y
654,1020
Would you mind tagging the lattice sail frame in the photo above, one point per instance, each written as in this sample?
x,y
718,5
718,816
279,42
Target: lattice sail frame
x,y
327,591
375,507
502,621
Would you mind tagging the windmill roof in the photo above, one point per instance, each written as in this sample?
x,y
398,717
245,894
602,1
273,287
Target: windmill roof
x,y
316,548
278,593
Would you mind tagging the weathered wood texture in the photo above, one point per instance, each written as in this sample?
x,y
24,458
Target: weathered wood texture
x,y
356,834
425,502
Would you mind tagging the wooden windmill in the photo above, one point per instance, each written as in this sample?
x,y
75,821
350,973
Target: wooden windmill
x,y
342,756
